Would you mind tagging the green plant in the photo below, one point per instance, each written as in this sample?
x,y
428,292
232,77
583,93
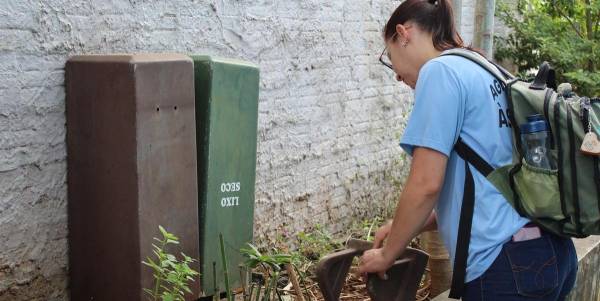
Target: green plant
x,y
565,33
271,265
171,276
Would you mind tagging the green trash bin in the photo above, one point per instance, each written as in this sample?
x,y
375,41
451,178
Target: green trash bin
x,y
226,116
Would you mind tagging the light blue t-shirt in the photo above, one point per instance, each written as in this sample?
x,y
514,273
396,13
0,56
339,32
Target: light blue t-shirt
x,y
454,98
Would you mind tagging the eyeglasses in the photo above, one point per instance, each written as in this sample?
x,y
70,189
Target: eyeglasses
x,y
384,58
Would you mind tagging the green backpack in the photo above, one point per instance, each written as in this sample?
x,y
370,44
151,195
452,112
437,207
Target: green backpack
x,y
564,201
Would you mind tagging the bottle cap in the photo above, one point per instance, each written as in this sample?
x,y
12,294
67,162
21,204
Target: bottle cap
x,y
535,123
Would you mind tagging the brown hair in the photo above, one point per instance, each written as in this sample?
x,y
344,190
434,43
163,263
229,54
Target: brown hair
x,y
433,16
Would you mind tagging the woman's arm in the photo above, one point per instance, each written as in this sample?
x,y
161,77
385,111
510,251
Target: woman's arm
x,y
414,208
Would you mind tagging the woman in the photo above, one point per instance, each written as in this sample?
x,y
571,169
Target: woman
x,y
508,257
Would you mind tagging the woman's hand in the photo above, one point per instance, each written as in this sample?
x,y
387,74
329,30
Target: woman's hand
x,y
375,261
381,234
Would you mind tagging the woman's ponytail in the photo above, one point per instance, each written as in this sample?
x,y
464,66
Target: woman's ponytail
x,y
445,35
434,16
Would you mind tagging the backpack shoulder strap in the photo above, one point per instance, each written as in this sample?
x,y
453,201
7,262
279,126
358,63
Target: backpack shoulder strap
x,y
466,215
463,240
469,155
496,70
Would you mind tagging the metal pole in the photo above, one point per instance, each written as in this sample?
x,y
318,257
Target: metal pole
x,y
484,26
488,28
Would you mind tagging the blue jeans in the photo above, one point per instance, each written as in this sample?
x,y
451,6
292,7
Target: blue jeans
x,y
539,269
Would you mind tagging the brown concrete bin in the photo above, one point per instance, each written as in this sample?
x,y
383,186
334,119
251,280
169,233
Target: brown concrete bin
x,y
131,167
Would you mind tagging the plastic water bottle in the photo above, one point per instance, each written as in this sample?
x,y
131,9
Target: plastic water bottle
x,y
535,138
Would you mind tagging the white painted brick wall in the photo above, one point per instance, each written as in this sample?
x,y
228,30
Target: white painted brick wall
x,y
329,123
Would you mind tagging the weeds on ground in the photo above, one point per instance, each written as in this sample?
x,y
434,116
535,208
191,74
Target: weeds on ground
x,y
316,242
310,246
366,228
